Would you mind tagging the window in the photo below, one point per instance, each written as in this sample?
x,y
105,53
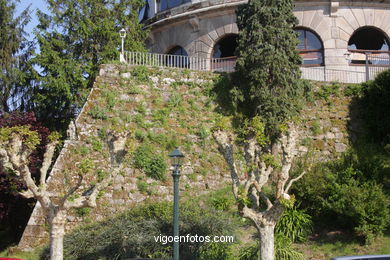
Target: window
x,y
310,48
369,41
167,4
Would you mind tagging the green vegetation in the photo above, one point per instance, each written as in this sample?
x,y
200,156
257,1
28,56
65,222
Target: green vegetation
x,y
70,58
15,57
267,81
151,162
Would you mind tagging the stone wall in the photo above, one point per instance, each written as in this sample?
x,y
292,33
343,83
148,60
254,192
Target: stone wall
x,y
327,123
199,174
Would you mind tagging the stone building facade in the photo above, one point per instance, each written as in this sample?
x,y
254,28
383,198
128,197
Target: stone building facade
x,y
333,34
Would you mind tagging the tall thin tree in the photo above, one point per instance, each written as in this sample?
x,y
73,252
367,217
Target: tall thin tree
x,y
15,53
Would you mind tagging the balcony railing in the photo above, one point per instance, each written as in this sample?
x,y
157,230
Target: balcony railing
x,y
355,74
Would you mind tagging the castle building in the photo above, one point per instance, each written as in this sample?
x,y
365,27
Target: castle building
x,y
333,34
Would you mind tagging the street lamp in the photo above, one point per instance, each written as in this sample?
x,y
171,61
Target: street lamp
x,y
122,34
176,161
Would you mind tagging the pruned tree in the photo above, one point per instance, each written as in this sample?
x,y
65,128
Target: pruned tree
x,y
16,144
261,179
14,209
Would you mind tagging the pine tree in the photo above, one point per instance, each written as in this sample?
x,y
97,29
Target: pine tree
x,y
268,63
15,52
74,40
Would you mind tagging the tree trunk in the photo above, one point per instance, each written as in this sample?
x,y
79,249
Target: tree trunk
x,y
57,232
267,242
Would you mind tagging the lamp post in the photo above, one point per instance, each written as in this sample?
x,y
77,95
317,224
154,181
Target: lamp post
x,y
122,34
176,161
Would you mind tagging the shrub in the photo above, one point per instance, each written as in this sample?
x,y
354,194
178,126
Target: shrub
x,y
131,234
216,251
151,162
345,193
295,225
376,103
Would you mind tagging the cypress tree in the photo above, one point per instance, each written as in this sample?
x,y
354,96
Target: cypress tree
x,y
269,83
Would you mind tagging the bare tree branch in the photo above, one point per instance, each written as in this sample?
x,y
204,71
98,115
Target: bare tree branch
x,y
294,180
47,160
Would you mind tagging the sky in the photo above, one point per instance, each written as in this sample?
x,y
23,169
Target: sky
x,y
35,4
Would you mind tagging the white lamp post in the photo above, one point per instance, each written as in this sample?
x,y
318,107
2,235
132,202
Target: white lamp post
x,y
122,34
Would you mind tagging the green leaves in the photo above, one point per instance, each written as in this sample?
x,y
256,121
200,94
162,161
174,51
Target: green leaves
x,y
74,41
15,52
30,138
267,71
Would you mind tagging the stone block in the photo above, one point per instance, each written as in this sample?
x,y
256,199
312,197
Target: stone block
x,y
330,135
348,15
335,32
308,17
340,147
213,35
369,16
344,25
379,16
299,15
359,14
220,32
317,19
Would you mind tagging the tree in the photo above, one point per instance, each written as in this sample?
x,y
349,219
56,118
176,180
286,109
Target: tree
x,y
268,93
268,63
74,40
16,145
15,52
14,210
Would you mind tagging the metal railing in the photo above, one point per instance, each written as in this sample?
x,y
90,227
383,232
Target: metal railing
x,y
355,73
166,60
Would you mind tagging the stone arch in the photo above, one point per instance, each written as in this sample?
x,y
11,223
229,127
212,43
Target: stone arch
x,y
310,47
206,42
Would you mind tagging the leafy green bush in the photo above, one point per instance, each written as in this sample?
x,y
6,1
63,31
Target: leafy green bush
x,y
347,193
284,249
131,234
295,225
151,162
376,103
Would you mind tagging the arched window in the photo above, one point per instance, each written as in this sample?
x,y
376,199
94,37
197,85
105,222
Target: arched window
x,y
310,48
225,47
178,57
369,41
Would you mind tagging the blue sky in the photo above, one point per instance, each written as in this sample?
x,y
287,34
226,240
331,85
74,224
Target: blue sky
x,y
35,4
